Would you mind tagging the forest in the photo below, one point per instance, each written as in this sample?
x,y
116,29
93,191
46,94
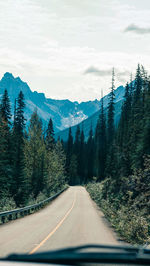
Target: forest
x,y
113,164
113,151
31,163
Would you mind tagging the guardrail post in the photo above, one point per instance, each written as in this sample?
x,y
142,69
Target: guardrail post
x,y
10,217
3,219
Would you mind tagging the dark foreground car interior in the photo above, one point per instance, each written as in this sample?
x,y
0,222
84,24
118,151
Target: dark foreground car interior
x,y
86,255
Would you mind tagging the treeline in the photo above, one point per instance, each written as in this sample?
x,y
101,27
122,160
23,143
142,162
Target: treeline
x,y
123,161
32,165
113,151
79,155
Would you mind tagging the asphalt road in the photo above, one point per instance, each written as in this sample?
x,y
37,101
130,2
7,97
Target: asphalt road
x,y
71,219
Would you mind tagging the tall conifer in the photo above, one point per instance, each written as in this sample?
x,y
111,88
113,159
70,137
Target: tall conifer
x,y
50,141
5,145
69,151
19,183
100,142
111,110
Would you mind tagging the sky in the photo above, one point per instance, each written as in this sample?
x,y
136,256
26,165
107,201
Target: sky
x,y
67,48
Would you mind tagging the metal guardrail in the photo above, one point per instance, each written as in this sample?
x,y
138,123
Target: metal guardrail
x,y
13,214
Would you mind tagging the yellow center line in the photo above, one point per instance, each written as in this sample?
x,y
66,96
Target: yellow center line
x,y
54,230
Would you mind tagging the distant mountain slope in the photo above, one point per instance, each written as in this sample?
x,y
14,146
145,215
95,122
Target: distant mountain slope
x,y
92,120
64,113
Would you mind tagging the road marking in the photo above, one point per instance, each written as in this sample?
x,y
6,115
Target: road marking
x,y
55,229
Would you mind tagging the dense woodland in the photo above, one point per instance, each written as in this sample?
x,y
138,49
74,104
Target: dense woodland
x,y
122,159
114,151
114,163
32,165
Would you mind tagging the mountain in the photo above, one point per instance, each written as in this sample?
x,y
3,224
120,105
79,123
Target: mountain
x,y
92,120
64,113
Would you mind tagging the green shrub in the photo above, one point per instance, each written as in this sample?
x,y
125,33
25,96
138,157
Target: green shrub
x,y
124,211
7,204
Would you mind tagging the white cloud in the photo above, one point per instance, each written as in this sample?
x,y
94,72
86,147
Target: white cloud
x,y
51,43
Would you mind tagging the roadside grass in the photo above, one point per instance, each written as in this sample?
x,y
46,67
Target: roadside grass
x,y
126,214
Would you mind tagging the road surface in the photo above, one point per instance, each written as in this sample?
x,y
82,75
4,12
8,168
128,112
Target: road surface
x,y
71,219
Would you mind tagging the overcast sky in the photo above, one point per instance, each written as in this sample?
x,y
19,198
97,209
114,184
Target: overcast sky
x,y
67,48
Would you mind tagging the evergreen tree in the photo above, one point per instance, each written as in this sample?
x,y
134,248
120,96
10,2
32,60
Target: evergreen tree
x,y
61,158
89,157
19,183
5,146
111,148
5,167
100,142
138,85
50,141
19,115
55,169
69,151
14,120
35,156
82,158
5,108
136,123
143,145
146,128
76,150
123,134
123,128
111,109
73,174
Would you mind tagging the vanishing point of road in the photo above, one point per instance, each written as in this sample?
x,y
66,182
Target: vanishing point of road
x,y
70,220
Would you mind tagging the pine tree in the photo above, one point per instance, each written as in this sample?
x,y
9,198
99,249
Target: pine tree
x,y
146,128
50,141
14,120
55,169
123,127
69,151
35,156
101,145
19,116
19,182
73,174
123,134
111,149
111,110
5,167
61,158
5,146
143,145
81,158
76,150
89,157
138,85
136,122
5,108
